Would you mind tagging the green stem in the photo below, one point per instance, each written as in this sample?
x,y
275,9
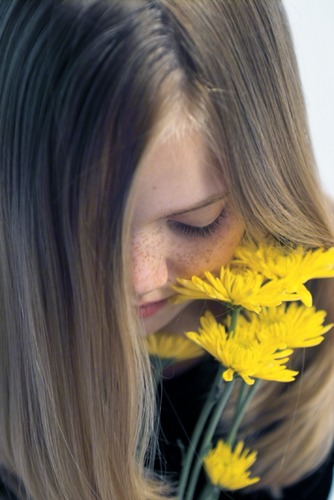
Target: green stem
x,y
209,404
242,394
240,411
206,443
210,492
234,319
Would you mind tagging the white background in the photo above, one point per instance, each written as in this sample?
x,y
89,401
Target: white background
x,y
312,23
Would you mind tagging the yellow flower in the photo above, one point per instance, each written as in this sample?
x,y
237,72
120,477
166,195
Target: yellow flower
x,y
236,286
243,353
174,347
229,469
292,326
276,261
294,266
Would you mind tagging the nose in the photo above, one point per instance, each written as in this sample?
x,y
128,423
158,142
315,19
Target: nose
x,y
149,265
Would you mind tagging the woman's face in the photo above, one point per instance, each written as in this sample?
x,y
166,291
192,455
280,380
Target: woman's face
x,y
183,225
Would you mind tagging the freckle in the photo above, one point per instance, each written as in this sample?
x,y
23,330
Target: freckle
x,y
208,255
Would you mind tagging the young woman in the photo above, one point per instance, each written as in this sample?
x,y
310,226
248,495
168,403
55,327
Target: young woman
x,y
140,141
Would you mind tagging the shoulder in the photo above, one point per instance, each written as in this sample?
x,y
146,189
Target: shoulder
x,y
7,486
5,493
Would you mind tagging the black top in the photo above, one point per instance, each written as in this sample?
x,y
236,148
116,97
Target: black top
x,y
180,407
6,493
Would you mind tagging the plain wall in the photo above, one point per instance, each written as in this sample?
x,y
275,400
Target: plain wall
x,y
312,24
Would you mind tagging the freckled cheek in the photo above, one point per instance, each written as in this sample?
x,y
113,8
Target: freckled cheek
x,y
142,257
203,256
190,262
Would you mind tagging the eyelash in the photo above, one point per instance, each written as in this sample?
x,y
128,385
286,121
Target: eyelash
x,y
195,231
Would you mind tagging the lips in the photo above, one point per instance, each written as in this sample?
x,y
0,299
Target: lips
x,y
147,310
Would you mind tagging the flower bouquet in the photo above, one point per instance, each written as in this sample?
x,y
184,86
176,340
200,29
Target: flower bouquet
x,y
269,315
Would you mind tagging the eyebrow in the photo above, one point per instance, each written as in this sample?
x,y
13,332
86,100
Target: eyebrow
x,y
202,204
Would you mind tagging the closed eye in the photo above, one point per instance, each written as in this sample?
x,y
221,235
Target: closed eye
x,y
198,231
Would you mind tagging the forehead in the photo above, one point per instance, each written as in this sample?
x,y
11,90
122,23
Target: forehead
x,y
175,173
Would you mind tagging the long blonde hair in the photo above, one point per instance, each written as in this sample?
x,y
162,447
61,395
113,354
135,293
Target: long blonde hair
x,y
81,86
